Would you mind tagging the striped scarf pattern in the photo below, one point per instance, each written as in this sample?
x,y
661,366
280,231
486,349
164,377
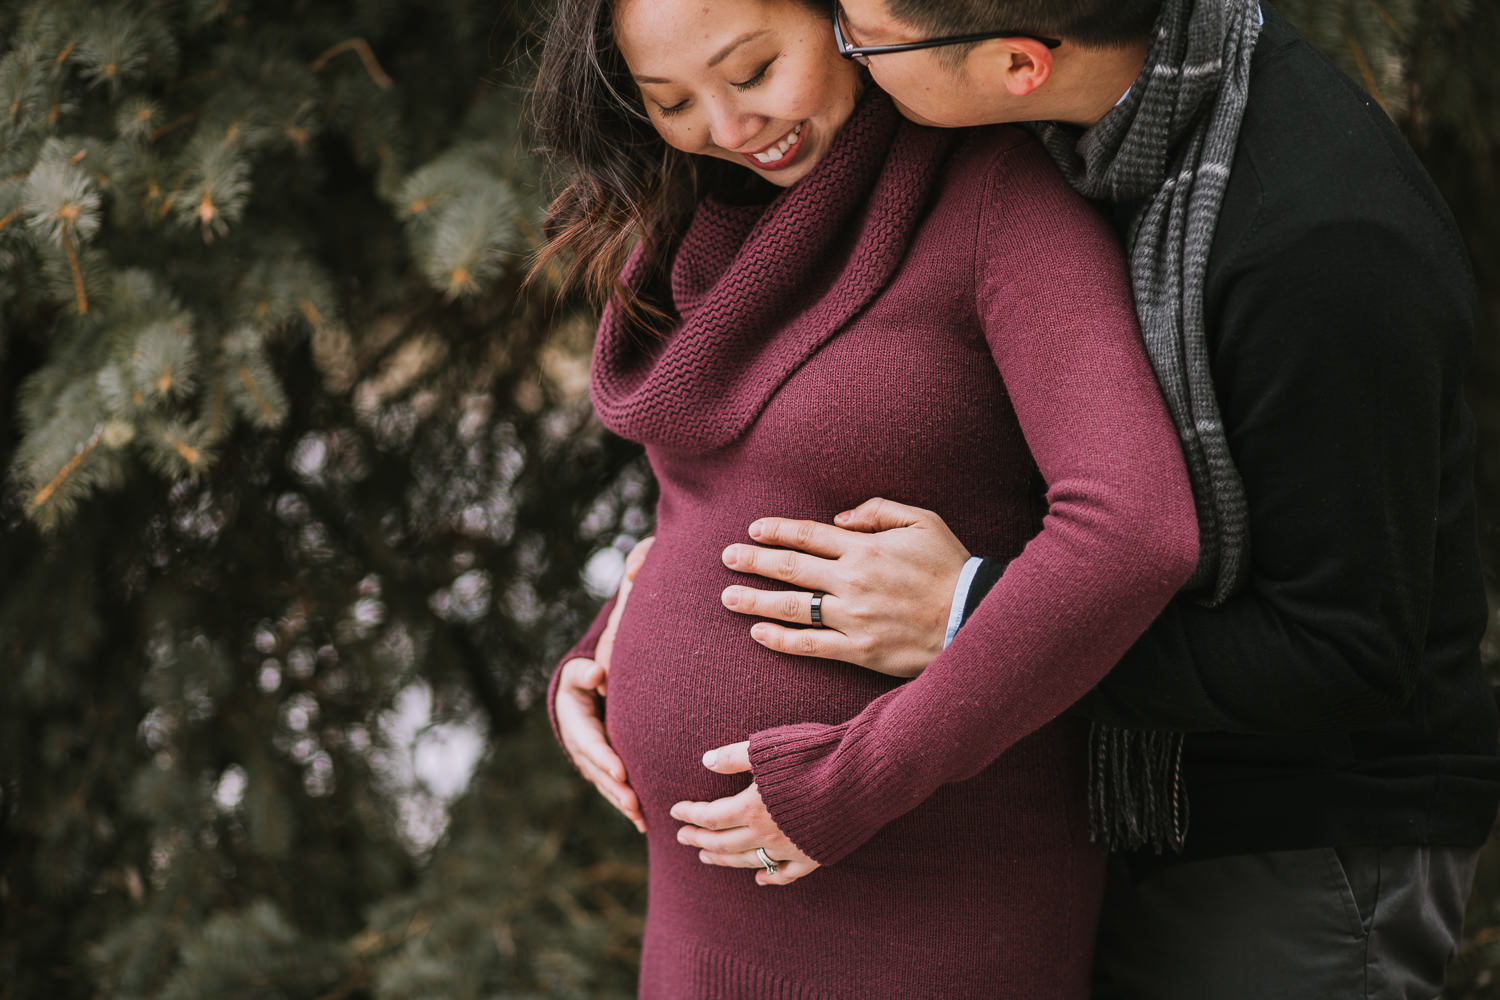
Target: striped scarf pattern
x,y
1168,146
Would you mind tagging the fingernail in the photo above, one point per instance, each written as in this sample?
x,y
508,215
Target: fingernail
x,y
730,556
760,633
841,518
731,597
755,529
709,758
682,835
676,812
703,857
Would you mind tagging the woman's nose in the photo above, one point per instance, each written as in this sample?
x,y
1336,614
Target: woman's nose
x,y
731,126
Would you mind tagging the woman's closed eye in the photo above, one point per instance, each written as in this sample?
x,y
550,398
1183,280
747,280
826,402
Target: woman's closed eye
x,y
756,80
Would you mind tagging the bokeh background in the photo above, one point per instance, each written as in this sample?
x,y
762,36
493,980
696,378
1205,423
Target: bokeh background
x,y
302,496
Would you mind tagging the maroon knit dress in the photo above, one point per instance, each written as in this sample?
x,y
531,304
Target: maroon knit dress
x,y
935,318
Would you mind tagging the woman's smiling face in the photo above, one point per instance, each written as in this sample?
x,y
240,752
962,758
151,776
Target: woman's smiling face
x,y
755,82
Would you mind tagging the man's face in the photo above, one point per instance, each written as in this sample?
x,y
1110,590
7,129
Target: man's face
x,y
925,84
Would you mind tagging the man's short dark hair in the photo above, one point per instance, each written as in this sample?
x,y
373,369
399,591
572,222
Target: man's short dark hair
x,y
1084,22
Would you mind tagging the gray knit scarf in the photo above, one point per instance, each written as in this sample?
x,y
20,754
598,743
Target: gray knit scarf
x,y
1169,145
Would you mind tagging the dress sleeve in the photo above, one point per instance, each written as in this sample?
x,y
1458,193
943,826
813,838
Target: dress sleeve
x,y
1118,538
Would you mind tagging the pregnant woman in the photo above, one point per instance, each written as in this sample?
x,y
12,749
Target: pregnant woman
x,y
818,310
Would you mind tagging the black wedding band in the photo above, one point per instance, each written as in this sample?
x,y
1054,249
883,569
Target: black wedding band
x,y
817,607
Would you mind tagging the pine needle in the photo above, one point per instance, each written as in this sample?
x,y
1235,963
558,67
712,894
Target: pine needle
x,y
366,56
172,125
1390,20
311,312
254,389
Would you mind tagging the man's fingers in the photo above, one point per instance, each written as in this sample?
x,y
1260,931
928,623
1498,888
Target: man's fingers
x,y
796,568
880,514
824,643
811,537
783,605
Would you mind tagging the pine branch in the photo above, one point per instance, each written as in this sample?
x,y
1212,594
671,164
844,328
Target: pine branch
x,y
40,498
80,295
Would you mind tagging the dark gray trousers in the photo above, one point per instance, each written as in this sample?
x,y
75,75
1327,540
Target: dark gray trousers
x,y
1361,923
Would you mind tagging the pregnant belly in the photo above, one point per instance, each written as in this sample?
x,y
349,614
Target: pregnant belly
x,y
686,677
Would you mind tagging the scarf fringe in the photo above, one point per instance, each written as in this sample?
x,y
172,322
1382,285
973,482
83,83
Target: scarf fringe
x,y
1136,794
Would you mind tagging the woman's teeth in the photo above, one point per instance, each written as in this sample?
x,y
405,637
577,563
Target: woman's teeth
x,y
777,151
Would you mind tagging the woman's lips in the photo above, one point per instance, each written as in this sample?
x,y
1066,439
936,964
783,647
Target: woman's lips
x,y
781,153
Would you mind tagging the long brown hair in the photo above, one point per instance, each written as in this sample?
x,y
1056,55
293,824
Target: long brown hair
x,y
624,182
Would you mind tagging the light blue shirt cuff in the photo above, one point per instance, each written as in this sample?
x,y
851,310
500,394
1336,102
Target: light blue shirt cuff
x,y
960,598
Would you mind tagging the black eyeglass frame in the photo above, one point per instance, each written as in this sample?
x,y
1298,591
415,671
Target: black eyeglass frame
x,y
862,53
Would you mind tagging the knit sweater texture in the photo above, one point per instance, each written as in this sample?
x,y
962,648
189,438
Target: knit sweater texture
x,y
936,318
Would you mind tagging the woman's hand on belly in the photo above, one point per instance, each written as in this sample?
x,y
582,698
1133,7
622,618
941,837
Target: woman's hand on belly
x,y
582,684
582,731
728,832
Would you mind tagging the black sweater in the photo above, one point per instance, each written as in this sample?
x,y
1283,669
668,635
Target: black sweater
x,y
1339,698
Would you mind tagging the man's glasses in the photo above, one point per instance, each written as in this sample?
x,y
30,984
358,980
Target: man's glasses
x,y
862,53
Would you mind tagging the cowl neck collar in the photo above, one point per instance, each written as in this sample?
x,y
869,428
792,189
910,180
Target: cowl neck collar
x,y
757,289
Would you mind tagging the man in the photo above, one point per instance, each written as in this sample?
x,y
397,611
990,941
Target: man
x,y
1340,750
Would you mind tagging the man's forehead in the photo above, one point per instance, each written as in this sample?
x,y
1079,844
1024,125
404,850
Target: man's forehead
x,y
870,17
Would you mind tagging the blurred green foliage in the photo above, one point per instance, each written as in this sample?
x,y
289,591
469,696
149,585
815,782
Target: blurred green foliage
x,y
303,497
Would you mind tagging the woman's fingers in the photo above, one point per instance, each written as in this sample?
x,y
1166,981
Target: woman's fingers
x,y
637,557
583,737
617,793
739,840
604,649
722,814
786,873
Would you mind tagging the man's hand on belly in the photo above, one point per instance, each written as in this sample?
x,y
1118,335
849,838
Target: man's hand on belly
x,y
887,573
727,832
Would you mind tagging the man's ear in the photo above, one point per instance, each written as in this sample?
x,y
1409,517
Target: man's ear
x,y
1018,64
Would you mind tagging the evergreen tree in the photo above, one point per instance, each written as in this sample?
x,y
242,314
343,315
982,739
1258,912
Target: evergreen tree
x,y
302,495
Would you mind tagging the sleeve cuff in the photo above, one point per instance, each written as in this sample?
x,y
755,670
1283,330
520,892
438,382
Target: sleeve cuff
x,y
960,598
